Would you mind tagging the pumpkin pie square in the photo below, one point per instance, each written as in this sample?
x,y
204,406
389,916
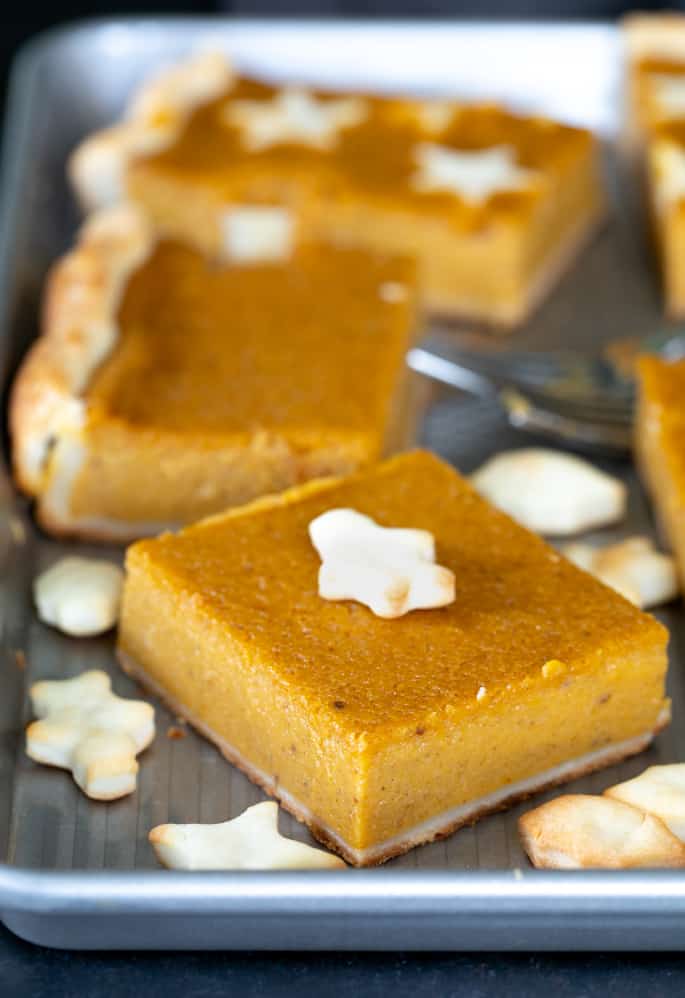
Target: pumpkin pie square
x,y
655,132
664,169
382,734
493,204
660,445
655,71
167,385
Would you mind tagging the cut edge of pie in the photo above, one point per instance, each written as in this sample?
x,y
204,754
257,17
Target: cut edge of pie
x,y
438,827
655,458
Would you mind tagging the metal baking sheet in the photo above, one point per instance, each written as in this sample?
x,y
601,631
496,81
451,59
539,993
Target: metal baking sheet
x,y
81,874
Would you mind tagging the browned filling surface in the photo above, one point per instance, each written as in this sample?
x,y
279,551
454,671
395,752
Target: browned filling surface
x,y
518,603
307,345
377,156
658,64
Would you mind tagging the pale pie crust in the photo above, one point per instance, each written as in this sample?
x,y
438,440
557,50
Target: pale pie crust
x,y
47,409
152,121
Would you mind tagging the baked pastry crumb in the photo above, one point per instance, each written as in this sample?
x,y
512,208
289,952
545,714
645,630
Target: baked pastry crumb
x,y
580,831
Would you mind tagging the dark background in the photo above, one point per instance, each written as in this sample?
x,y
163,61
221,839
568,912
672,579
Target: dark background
x,y
20,21
29,970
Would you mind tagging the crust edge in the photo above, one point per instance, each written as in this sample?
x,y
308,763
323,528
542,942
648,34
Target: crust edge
x,y
508,319
46,409
647,33
421,834
152,120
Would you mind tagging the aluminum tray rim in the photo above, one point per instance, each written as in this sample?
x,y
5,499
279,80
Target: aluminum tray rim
x,y
95,891
574,903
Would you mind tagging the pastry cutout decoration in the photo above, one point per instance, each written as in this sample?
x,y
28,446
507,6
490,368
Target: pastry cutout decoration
x,y
551,492
293,117
473,175
249,842
578,831
632,567
257,234
660,791
79,596
84,727
637,823
390,570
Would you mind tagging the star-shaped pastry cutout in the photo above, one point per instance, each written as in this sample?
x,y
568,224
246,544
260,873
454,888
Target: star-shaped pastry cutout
x,y
249,842
391,570
294,116
473,175
84,727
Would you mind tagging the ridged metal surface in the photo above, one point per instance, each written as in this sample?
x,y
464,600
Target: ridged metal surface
x,y
63,87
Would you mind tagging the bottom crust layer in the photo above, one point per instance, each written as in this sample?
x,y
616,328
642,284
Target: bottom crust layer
x,y
439,827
